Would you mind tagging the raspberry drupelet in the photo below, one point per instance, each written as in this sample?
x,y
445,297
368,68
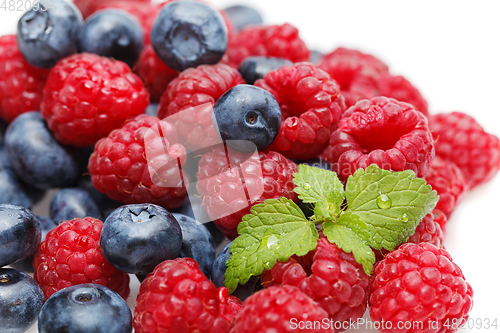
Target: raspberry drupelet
x,y
88,7
311,106
87,96
398,87
140,163
382,131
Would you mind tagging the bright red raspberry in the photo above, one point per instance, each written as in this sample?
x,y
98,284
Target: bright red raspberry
x,y
461,140
428,230
153,71
381,131
356,72
139,163
177,297
20,83
330,277
311,106
277,309
192,94
88,7
87,96
440,218
71,255
398,87
449,182
280,41
230,184
419,283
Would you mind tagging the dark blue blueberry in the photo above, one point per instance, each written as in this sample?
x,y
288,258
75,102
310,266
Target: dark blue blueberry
x,y
3,127
197,242
187,34
37,158
105,204
20,301
85,308
254,68
11,190
247,117
315,56
26,265
48,32
152,110
136,238
243,291
20,233
71,203
112,33
243,16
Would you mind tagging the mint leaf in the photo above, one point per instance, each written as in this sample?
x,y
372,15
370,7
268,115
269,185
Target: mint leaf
x,y
391,204
275,230
350,234
321,187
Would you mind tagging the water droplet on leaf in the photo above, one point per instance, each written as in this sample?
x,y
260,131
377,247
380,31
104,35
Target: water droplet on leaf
x,y
404,218
384,202
272,241
307,186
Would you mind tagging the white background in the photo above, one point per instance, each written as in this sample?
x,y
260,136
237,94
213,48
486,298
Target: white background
x,y
450,51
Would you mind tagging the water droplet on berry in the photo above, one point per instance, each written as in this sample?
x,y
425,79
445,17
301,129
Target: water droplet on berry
x,y
272,241
404,218
384,202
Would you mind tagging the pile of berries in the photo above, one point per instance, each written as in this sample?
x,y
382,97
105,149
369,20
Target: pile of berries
x,y
169,130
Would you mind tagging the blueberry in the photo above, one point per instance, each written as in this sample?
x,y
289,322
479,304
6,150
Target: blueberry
x,y
48,32
3,127
112,33
20,301
197,242
187,34
315,56
11,190
254,68
247,117
26,265
36,156
85,308
243,16
105,204
136,238
71,203
20,233
152,110
243,291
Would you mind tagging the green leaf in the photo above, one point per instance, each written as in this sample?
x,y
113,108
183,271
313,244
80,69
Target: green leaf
x,y
275,230
391,204
321,187
350,234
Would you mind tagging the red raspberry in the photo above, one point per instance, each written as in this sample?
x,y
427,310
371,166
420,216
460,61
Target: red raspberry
x,y
88,7
330,277
122,163
381,131
449,182
195,91
399,88
153,71
230,184
20,83
280,41
461,140
87,96
440,218
71,255
277,310
357,73
177,297
419,283
311,106
428,230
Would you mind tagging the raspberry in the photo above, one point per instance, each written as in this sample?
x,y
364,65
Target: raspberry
x,y
230,185
329,276
177,297
277,310
428,230
419,283
20,83
381,131
88,7
449,182
87,96
399,88
71,255
357,73
195,91
440,218
279,41
122,163
311,106
461,140
153,71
